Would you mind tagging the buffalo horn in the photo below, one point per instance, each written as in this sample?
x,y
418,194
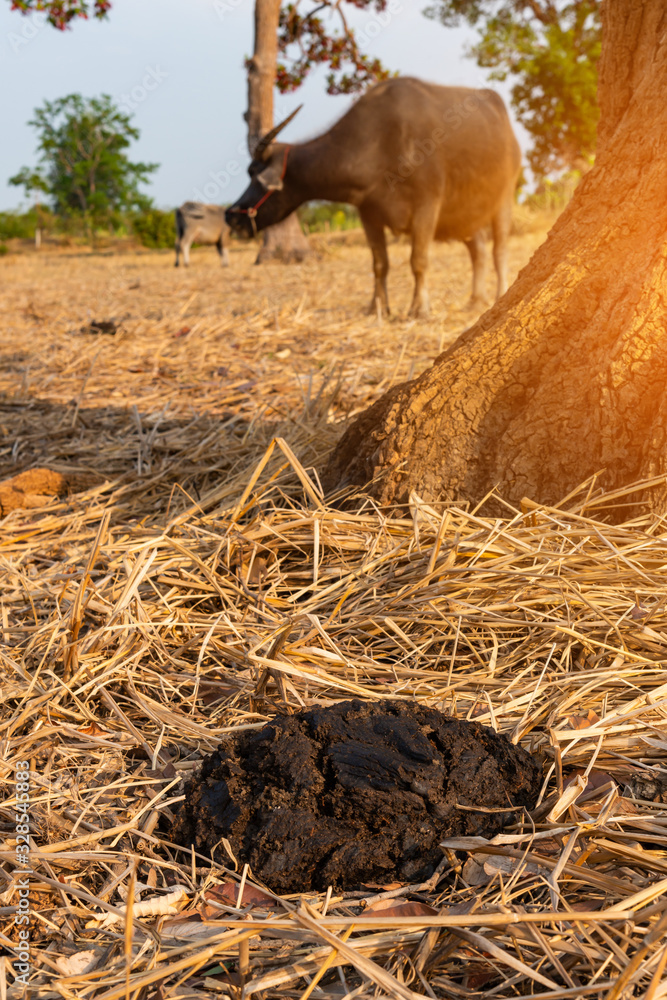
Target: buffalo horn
x,y
266,140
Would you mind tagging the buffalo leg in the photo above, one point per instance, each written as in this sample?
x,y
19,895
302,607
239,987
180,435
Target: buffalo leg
x,y
423,231
223,253
501,225
185,246
178,251
477,250
378,244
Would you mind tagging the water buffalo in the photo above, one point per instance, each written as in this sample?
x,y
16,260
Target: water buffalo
x,y
433,162
197,223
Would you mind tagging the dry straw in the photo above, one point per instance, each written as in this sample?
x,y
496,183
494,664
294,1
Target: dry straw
x,y
203,583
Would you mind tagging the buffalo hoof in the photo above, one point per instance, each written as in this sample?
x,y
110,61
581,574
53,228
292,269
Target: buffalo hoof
x,y
420,307
420,310
379,309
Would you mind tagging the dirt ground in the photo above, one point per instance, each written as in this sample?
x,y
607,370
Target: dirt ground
x,y
280,325
178,579
200,354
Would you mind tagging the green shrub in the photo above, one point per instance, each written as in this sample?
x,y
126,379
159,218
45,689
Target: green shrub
x,y
22,225
17,225
328,216
3,249
155,229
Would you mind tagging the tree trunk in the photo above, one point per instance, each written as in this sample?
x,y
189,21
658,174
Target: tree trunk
x,y
286,241
566,376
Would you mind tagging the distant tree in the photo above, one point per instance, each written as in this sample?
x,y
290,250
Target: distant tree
x,y
551,49
84,169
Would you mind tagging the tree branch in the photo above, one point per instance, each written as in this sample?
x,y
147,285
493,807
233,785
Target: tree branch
x,y
545,13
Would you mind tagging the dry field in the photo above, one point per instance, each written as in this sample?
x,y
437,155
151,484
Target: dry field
x,y
192,580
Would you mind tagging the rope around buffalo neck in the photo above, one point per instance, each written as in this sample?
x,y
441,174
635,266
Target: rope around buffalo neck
x,y
252,211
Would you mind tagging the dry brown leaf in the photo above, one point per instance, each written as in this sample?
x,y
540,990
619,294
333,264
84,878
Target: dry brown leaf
x,y
258,570
252,572
478,975
508,866
596,779
479,869
550,847
583,721
94,730
228,892
184,917
210,692
401,908
474,874
622,807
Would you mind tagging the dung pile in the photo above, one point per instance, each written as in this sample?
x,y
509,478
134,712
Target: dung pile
x,y
353,793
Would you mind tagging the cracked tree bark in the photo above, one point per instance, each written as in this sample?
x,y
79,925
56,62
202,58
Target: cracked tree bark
x,y
285,241
566,376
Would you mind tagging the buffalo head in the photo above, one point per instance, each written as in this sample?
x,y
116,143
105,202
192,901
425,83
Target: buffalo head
x,y
267,199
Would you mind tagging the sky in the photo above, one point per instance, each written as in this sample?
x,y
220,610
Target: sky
x,y
177,66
